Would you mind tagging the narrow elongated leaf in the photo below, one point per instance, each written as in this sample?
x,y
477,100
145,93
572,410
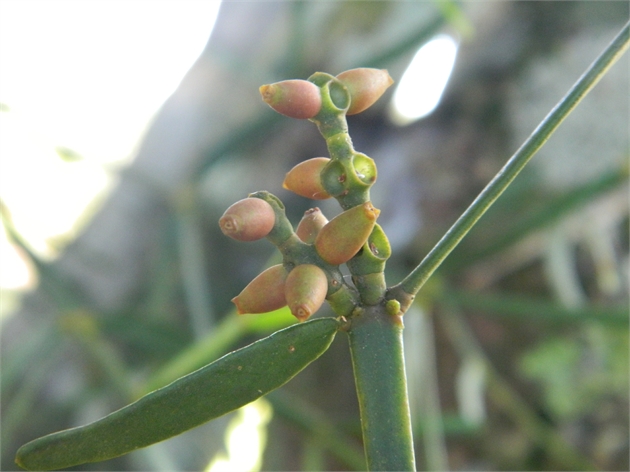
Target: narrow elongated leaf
x,y
222,386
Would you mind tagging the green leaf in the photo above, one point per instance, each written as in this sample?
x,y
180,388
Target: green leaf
x,y
222,386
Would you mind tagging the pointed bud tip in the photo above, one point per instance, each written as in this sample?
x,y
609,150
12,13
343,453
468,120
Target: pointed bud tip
x,y
266,92
310,225
370,211
229,225
239,310
263,294
302,313
305,290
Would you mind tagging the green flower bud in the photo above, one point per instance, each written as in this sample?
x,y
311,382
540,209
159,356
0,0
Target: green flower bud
x,y
249,219
304,179
263,294
392,307
305,290
310,225
345,234
294,98
365,86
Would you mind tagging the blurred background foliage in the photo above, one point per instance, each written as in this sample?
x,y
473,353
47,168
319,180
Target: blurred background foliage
x,y
517,349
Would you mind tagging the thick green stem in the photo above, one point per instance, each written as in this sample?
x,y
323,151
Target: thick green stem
x,y
379,371
414,281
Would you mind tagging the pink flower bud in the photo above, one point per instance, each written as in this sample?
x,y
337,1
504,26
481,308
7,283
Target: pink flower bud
x,y
345,234
310,225
365,86
305,290
304,179
263,294
248,220
294,98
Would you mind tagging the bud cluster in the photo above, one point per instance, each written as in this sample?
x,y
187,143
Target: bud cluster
x,y
313,252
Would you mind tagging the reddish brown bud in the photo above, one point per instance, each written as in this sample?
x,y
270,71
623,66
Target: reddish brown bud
x,y
263,294
304,179
248,220
365,86
345,234
310,225
305,290
294,98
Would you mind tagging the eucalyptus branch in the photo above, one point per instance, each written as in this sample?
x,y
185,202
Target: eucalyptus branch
x,y
409,286
309,275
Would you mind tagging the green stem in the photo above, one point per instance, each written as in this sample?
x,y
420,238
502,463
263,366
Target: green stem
x,y
416,279
379,371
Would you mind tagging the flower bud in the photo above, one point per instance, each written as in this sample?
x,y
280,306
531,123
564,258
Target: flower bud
x,y
248,220
305,290
304,179
263,294
310,225
392,307
365,86
294,98
345,234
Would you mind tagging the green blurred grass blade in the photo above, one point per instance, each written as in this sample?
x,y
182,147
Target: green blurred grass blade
x,y
191,255
529,310
324,432
23,402
234,380
65,295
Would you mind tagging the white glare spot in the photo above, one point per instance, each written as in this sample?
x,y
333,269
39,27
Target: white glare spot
x,y
423,83
81,80
244,439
